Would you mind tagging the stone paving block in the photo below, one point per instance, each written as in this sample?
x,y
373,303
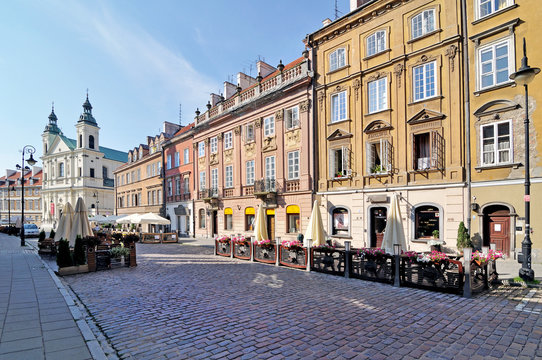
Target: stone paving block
x,y
7,347
20,334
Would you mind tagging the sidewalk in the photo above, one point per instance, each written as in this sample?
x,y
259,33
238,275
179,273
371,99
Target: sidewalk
x,y
38,319
197,241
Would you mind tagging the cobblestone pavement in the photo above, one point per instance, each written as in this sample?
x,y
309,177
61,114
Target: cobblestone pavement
x,y
183,302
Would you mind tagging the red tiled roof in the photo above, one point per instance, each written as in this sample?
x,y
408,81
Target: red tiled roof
x,y
184,129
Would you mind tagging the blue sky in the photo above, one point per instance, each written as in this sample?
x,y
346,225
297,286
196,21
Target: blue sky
x,y
138,58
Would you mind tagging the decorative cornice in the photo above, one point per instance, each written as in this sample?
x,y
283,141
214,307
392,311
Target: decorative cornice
x,y
450,53
258,123
278,115
304,106
357,86
398,71
237,130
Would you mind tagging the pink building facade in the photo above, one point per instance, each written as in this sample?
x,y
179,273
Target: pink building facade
x,y
254,147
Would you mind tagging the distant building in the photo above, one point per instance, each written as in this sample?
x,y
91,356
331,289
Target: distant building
x,y
10,196
139,187
80,167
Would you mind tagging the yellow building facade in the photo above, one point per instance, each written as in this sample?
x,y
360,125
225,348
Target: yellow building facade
x,y
389,113
497,106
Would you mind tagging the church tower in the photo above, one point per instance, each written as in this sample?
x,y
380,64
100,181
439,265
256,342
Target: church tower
x,y
51,130
88,132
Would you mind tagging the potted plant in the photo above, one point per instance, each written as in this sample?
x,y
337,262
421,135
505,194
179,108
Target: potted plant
x,y
223,245
78,252
463,238
264,251
377,169
65,261
119,253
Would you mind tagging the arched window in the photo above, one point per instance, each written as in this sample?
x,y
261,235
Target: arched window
x,y
91,142
80,141
340,218
202,218
61,170
427,221
292,214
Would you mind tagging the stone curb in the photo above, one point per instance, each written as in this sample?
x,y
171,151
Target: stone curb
x,y
90,340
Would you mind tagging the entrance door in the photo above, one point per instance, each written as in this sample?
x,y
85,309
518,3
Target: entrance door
x,y
271,226
378,225
215,223
497,228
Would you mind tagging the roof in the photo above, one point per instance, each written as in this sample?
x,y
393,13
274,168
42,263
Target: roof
x,y
184,129
72,144
109,153
16,175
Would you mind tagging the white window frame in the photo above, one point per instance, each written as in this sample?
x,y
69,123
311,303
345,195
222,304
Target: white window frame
x,y
378,38
269,126
377,93
510,58
270,168
293,165
168,161
169,187
291,118
177,159
496,150
229,176
214,178
249,133
424,81
385,157
249,166
228,140
339,107
178,185
213,145
186,154
201,149
341,165
337,59
422,18
492,3
202,180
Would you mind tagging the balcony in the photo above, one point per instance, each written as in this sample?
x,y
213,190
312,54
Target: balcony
x,y
209,195
228,192
266,189
292,185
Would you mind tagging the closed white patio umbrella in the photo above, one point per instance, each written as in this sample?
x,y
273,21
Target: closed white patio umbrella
x,y
81,225
394,233
260,229
153,219
315,228
65,223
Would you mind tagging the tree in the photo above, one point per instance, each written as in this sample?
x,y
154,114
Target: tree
x,y
64,257
463,237
78,252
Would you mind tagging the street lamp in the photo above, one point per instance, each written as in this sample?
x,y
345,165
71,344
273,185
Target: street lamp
x,y
29,149
524,76
95,196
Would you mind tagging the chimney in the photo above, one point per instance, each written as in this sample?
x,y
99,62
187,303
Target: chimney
x,y
214,99
229,89
326,22
245,80
264,69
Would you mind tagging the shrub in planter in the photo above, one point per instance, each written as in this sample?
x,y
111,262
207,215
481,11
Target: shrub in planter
x,y
78,252
91,241
130,238
117,236
64,257
52,234
41,236
463,238
119,251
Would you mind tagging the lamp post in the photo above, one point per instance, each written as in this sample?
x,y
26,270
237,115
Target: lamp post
x,y
95,196
29,149
524,76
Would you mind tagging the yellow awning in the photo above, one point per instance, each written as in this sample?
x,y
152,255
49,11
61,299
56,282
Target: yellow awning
x,y
270,212
228,211
292,209
250,211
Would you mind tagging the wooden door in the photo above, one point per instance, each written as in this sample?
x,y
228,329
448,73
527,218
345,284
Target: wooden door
x,y
497,228
378,225
215,223
271,226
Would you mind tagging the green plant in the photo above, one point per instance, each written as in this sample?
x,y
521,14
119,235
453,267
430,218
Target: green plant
x,y
119,251
78,252
132,227
376,169
463,238
130,238
41,236
52,234
435,234
64,257
91,241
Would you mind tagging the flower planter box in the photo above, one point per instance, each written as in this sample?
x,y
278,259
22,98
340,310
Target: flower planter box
x,y
242,251
328,261
373,268
479,276
103,259
72,270
118,262
265,254
445,276
223,248
295,258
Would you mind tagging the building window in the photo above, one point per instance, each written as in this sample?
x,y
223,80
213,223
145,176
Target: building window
x,y
494,64
91,142
80,141
338,107
177,159
228,219
488,7
428,151
291,117
424,81
270,167
91,172
423,23
202,218
186,185
379,156
250,214
159,196
177,186
293,165
61,170
496,142
339,162
214,178
250,172
378,95
169,187
186,153
168,164
201,149
202,180
376,43
426,221
293,218
340,218
269,126
337,59
228,140
229,176
213,144
249,132
80,171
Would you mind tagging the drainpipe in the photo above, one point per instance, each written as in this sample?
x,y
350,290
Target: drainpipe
x,y
314,123
466,95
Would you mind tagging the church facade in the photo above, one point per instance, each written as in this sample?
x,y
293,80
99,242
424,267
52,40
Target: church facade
x,y
79,167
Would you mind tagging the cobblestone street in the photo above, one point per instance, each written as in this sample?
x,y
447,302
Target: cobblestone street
x,y
183,302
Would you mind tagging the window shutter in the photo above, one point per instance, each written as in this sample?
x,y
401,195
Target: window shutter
x,y
332,169
437,150
387,155
414,153
370,158
346,159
